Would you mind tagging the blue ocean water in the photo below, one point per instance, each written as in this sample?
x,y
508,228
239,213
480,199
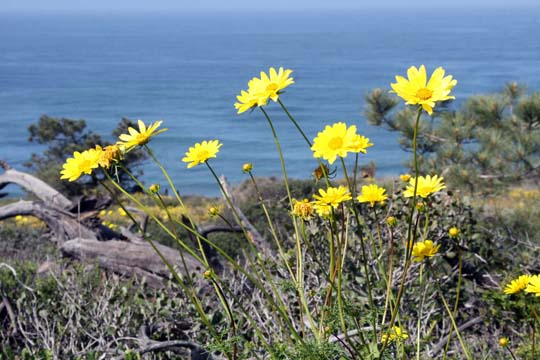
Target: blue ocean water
x,y
187,70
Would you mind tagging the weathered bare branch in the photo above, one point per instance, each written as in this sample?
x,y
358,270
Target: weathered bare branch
x,y
63,224
32,184
135,259
257,239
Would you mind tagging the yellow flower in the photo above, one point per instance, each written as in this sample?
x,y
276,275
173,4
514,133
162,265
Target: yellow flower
x,y
247,167
405,177
372,194
333,196
79,164
108,155
414,90
122,212
534,285
391,221
246,101
426,186
453,232
201,152
154,188
269,87
140,137
424,248
503,342
303,209
322,210
359,144
336,140
395,334
213,211
517,285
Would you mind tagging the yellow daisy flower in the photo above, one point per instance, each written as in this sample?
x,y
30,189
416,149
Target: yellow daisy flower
x,y
79,164
359,144
395,334
303,209
534,285
246,101
415,90
201,152
333,141
372,194
333,196
405,177
140,137
424,248
270,86
517,285
322,210
426,186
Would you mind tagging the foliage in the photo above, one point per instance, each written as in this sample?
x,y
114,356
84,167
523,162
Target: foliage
x,y
65,136
490,142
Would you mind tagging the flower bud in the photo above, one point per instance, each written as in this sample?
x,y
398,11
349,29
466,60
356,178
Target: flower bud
x,y
391,221
503,342
405,177
453,232
213,211
247,167
154,188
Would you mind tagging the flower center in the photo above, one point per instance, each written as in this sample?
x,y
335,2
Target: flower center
x,y
141,139
424,94
335,143
272,87
204,155
85,166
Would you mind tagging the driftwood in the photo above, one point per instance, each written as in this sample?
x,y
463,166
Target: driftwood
x,y
30,183
78,231
63,225
127,258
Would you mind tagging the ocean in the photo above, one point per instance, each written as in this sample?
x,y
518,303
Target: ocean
x,y
186,69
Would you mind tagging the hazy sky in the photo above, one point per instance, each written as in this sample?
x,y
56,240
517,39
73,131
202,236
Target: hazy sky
x,y
241,5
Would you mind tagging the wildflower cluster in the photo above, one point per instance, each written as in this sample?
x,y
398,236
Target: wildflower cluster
x,y
260,89
341,212
84,163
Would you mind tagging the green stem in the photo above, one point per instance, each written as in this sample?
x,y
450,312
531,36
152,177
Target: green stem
x,y
450,315
282,307
411,236
364,252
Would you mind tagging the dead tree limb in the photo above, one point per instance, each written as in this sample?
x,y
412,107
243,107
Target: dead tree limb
x,y
134,259
148,345
63,224
32,184
260,243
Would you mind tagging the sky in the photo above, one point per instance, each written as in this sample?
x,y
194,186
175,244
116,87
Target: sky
x,y
119,6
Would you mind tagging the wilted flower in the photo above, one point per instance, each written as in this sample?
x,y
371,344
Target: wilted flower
x,y
303,209
394,334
